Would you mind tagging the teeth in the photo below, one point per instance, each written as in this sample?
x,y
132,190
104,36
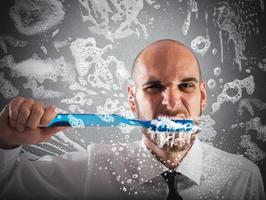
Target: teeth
x,y
166,118
163,117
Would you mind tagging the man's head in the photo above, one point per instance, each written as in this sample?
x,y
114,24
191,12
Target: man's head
x,y
167,82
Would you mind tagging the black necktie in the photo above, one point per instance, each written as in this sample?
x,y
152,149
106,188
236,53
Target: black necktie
x,y
171,179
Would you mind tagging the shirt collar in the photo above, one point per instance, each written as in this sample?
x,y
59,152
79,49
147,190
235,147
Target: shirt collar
x,y
191,166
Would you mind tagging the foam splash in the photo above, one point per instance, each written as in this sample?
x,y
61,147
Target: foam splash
x,y
36,71
217,71
201,45
114,19
96,71
253,152
58,45
262,64
75,122
191,7
247,83
255,124
115,106
211,83
34,17
12,42
249,105
6,88
87,56
44,50
79,99
207,133
231,21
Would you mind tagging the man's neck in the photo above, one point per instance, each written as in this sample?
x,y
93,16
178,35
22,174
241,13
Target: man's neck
x,y
171,159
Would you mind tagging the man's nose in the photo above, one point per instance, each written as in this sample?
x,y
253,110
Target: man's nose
x,y
171,98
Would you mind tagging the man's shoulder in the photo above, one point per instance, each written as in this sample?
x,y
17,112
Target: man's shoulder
x,y
230,160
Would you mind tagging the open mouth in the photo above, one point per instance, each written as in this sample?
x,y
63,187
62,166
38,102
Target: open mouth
x,y
177,124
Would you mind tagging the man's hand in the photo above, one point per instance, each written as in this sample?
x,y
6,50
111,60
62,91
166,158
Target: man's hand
x,y
23,121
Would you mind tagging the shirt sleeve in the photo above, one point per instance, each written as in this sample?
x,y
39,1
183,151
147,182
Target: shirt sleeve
x,y
50,177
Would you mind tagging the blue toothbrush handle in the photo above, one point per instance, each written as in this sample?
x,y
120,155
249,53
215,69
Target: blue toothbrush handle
x,y
82,120
87,120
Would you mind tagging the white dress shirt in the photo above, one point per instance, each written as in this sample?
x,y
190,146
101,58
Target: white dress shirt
x,y
128,171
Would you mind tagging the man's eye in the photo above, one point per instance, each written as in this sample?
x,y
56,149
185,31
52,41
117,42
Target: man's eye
x,y
186,86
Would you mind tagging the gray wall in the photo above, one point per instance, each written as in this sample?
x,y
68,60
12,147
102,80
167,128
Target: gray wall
x,y
78,54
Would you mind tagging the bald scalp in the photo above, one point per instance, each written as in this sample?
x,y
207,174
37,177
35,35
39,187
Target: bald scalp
x,y
160,43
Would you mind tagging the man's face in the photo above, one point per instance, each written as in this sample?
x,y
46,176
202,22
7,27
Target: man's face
x,y
167,84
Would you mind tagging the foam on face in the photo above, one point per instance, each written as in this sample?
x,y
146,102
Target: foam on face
x,y
173,126
34,17
172,138
203,125
207,133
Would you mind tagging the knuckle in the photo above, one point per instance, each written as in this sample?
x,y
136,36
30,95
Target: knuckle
x,y
38,109
45,120
15,102
24,112
29,101
39,103
52,108
19,98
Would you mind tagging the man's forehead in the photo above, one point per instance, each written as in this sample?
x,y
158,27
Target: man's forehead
x,y
165,56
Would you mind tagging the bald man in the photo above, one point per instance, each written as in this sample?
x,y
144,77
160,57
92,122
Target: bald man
x,y
166,83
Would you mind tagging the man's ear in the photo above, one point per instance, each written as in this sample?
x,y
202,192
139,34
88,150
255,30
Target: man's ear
x,y
131,98
203,95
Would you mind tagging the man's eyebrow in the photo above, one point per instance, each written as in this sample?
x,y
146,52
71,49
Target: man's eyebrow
x,y
157,82
190,79
152,82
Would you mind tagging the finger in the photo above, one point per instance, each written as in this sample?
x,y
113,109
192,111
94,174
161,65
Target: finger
x,y
23,114
13,108
48,115
36,115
